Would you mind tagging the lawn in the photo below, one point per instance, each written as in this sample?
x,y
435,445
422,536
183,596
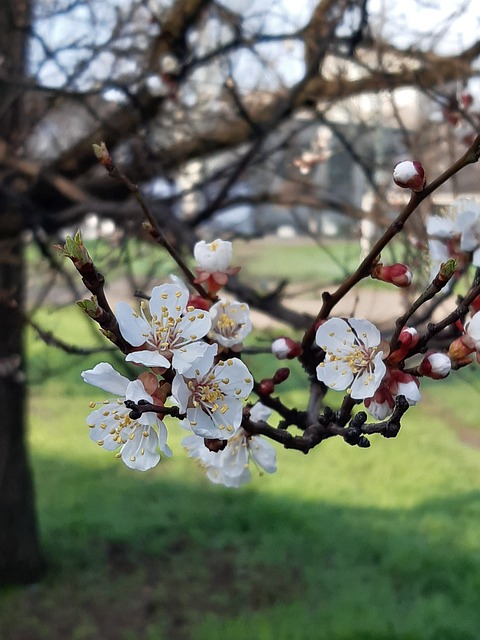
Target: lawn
x,y
342,544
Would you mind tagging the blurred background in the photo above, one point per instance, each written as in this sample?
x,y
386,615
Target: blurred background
x,y
275,125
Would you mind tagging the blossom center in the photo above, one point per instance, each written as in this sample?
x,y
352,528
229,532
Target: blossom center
x,y
360,358
226,325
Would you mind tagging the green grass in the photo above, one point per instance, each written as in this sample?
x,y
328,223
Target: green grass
x,y
300,260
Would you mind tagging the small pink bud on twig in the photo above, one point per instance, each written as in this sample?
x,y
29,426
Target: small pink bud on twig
x,y
407,340
397,274
435,365
409,174
286,349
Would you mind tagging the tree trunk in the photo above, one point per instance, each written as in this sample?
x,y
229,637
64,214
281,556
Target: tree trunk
x,y
21,559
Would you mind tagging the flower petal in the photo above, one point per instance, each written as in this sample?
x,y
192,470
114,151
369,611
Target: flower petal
x,y
133,327
104,376
186,357
180,392
336,374
140,451
263,453
168,299
148,359
335,335
233,377
202,425
366,332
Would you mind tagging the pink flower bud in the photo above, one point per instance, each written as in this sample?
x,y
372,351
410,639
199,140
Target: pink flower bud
x,y
435,365
397,274
407,339
409,174
286,349
406,385
381,404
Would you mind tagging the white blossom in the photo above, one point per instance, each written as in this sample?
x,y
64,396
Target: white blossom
x,y
213,257
212,395
352,357
170,331
112,428
231,323
231,466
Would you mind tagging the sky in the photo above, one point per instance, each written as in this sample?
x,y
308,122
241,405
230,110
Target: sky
x,y
412,21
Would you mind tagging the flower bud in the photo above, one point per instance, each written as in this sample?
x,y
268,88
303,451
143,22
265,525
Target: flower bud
x,y
407,340
286,349
103,155
266,387
76,251
435,366
91,307
446,271
281,375
409,175
397,274
404,384
459,353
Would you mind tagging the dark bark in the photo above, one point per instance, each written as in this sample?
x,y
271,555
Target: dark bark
x,y
21,560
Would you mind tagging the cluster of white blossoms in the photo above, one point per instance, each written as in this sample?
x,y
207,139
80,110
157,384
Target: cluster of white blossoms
x,y
188,346
187,354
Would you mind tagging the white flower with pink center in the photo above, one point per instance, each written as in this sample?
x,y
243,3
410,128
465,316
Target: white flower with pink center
x,y
231,323
168,331
111,426
353,361
211,395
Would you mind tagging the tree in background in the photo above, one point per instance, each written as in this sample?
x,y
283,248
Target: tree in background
x,y
209,106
